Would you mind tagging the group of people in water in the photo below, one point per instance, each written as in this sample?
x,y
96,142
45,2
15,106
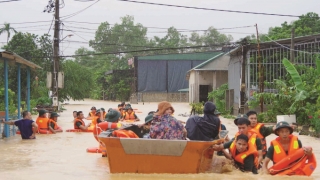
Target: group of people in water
x,y
248,149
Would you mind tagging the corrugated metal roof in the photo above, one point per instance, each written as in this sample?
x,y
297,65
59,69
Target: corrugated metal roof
x,y
17,59
201,56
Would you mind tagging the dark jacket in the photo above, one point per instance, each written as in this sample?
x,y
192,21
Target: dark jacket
x,y
204,128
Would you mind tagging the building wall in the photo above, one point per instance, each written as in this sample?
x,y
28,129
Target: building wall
x,y
191,86
158,97
219,78
221,63
234,72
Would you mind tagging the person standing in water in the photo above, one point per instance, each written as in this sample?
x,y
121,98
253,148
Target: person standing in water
x,y
28,128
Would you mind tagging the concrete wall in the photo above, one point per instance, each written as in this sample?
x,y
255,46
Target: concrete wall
x,y
219,78
157,97
221,63
191,85
234,70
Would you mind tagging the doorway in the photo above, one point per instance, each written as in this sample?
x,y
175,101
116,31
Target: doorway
x,y
203,93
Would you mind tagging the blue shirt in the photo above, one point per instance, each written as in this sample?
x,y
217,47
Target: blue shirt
x,y
25,127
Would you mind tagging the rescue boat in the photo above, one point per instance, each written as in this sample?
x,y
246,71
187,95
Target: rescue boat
x,y
140,155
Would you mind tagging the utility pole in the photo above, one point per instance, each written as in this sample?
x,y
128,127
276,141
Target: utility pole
x,y
261,85
56,58
292,46
243,76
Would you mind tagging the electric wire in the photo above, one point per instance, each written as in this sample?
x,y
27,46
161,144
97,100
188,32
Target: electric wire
x,y
210,9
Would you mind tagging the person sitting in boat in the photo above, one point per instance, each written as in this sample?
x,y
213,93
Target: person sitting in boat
x,y
283,146
204,128
243,153
165,126
79,123
42,120
53,126
92,113
130,115
243,126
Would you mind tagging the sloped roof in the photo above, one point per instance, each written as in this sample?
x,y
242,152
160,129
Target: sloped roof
x,y
208,61
14,58
201,56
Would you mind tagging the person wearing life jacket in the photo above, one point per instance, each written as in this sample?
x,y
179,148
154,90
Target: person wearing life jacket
x,y
98,118
52,123
130,115
243,153
261,130
104,113
79,123
284,145
42,120
92,113
243,126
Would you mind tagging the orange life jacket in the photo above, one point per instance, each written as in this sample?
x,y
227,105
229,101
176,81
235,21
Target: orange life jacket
x,y
54,122
241,156
256,129
91,114
75,122
295,164
124,134
279,152
94,120
42,122
129,116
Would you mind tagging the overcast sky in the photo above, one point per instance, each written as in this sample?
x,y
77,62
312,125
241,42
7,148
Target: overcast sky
x,y
153,16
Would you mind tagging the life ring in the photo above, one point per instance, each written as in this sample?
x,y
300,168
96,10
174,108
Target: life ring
x,y
104,126
44,131
295,164
94,150
78,130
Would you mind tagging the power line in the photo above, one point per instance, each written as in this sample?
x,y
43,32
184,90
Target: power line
x,y
209,9
143,50
9,1
78,12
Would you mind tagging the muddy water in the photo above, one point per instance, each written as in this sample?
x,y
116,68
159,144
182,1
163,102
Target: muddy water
x,y
64,156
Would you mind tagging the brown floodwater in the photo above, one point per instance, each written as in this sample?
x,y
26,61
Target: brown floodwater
x,y
64,156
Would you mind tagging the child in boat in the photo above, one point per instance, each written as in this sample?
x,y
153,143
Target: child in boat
x,y
130,115
243,153
53,126
284,145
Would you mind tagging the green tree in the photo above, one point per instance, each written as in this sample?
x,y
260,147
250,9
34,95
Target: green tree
x,y
77,81
7,29
306,25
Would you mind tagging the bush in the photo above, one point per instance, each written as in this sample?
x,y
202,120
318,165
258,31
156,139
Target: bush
x,y
197,107
219,97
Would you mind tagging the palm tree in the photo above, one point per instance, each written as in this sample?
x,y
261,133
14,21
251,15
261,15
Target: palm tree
x,y
8,29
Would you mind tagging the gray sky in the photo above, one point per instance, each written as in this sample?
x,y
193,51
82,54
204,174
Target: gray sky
x,y
154,16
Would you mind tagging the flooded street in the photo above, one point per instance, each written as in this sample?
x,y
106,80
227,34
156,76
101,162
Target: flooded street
x,y
64,156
